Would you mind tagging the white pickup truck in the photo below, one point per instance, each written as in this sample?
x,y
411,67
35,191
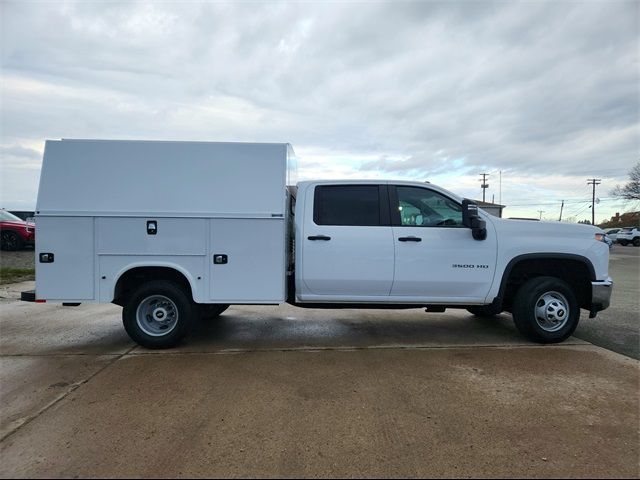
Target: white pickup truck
x,y
173,231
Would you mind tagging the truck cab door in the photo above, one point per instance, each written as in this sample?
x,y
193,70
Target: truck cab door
x,y
344,251
436,257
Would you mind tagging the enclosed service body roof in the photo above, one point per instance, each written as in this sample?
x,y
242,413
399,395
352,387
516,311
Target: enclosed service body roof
x,y
123,178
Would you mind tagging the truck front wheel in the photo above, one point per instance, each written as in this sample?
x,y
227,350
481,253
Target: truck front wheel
x,y
158,314
545,310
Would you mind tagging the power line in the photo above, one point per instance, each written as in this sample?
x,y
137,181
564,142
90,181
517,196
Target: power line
x,y
579,211
534,204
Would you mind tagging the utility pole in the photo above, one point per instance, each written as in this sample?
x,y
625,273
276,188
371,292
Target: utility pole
x,y
561,208
541,212
594,182
484,185
500,193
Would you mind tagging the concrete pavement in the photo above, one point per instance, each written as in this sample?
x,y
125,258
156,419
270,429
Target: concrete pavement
x,y
290,392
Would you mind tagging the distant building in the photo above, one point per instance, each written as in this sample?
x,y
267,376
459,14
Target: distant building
x,y
494,209
629,219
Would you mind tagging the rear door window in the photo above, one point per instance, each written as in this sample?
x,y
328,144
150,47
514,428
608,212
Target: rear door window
x,y
353,205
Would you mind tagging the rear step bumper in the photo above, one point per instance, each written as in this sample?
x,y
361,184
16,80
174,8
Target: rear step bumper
x,y
28,296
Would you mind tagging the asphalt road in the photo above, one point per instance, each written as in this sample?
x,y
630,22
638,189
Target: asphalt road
x,y
618,327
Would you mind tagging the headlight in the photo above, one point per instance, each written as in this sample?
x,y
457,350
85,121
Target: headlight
x,y
600,237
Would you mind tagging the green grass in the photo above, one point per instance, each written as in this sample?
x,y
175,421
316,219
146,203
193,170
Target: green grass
x,y
13,275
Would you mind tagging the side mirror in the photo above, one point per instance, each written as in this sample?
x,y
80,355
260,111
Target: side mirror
x,y
471,219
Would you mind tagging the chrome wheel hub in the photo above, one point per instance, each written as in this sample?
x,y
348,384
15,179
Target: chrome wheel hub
x,y
552,311
157,315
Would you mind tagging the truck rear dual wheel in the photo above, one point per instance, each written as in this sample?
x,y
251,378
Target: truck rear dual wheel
x,y
545,310
158,314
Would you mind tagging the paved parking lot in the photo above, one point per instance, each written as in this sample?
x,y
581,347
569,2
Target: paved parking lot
x,y
618,327
268,391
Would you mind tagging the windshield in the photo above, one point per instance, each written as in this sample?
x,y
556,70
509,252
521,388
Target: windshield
x,y
9,217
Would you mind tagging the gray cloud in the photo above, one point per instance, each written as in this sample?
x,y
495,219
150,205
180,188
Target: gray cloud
x,y
416,87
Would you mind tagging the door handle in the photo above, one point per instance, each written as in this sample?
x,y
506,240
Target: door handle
x,y
409,239
319,237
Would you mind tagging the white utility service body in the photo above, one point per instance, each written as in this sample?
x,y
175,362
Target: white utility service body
x,y
97,197
224,224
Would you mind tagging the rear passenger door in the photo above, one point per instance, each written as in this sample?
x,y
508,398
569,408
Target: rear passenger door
x,y
347,242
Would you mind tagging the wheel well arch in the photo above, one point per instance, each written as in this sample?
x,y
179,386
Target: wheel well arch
x,y
135,275
576,270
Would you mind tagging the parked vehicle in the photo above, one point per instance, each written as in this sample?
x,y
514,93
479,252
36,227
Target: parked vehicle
x,y
607,240
176,230
26,215
629,235
612,233
15,233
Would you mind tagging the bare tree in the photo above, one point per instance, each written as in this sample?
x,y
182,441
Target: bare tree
x,y
631,190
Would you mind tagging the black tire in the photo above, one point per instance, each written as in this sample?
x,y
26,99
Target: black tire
x,y
11,241
623,242
636,242
484,311
524,309
181,305
212,311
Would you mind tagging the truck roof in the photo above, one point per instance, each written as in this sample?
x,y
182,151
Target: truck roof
x,y
164,178
409,183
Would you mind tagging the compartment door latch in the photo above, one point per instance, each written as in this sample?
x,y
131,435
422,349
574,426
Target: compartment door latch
x,y
220,259
152,227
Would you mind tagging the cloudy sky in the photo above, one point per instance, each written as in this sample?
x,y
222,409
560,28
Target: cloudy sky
x,y
546,92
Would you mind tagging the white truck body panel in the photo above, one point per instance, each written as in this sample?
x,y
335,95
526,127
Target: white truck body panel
x,y
71,277
256,269
96,198
180,179
524,237
357,262
439,250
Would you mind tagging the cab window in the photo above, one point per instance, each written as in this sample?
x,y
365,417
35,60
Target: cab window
x,y
354,205
422,207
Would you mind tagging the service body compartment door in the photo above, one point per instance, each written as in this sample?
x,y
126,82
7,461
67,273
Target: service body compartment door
x,y
247,260
70,276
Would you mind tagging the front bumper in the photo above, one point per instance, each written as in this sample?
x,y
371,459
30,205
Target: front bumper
x,y
600,295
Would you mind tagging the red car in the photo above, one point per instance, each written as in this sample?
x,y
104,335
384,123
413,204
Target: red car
x,y
15,233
